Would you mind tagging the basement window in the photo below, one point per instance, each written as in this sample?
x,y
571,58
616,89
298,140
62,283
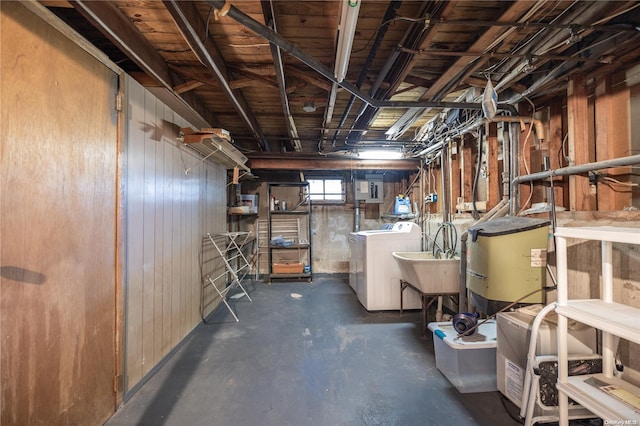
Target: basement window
x,y
326,190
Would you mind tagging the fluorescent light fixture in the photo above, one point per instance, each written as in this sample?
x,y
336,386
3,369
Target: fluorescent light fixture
x,y
380,154
347,30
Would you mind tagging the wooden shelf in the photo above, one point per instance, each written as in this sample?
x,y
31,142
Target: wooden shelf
x,y
622,320
598,401
285,212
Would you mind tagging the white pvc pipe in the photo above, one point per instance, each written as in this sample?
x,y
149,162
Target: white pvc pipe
x,y
439,310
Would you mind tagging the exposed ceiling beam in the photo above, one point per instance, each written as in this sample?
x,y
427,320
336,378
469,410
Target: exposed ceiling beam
x,y
188,86
255,76
192,27
308,78
330,163
292,130
111,22
427,37
465,65
316,65
416,34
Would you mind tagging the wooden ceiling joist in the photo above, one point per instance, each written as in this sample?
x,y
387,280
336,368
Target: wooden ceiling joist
x,y
305,76
188,86
292,130
110,21
190,23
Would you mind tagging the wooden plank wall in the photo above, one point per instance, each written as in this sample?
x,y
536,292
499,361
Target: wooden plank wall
x,y
58,226
167,213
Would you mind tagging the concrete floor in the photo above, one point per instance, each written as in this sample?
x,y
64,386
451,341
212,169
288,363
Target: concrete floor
x,y
307,354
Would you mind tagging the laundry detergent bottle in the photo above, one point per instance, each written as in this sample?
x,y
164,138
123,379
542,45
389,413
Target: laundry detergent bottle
x,y
403,205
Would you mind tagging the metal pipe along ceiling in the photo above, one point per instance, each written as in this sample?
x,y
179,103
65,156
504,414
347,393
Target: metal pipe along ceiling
x,y
577,169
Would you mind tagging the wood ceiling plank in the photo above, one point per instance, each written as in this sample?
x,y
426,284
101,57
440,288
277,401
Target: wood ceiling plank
x,y
513,13
305,76
108,19
191,25
188,86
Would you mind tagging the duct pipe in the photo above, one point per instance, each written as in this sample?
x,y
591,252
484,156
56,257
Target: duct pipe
x,y
284,44
574,170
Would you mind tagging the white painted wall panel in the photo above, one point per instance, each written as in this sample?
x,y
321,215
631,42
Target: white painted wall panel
x,y
167,213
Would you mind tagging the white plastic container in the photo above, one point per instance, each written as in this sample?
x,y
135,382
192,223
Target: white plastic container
x,y
469,363
513,335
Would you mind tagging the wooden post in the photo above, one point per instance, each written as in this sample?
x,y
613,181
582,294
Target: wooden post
x,y
556,137
612,107
466,169
494,180
580,198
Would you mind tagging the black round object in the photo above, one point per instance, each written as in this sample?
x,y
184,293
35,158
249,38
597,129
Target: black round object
x,y
464,323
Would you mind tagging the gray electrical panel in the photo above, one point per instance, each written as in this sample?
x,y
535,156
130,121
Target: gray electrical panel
x,y
370,189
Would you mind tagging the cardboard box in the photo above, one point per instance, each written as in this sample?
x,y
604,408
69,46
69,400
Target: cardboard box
x,y
287,268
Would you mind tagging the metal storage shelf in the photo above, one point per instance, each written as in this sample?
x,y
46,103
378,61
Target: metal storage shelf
x,y
293,246
614,319
301,241
293,275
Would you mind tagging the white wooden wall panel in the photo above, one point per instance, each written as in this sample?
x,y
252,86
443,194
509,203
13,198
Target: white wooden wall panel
x,y
167,212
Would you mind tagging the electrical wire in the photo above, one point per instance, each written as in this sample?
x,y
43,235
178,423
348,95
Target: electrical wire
x,y
616,181
504,400
509,306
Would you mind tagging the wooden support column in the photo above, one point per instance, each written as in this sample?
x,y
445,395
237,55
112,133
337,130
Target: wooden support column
x,y
436,185
580,197
494,179
612,115
466,169
556,136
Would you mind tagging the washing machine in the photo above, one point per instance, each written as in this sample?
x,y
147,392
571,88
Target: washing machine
x,y
373,272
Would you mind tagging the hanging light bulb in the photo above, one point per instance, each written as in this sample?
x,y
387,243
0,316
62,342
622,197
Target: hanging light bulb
x,y
309,106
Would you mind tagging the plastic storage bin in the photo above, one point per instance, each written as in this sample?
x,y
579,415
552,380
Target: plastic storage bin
x,y
469,363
